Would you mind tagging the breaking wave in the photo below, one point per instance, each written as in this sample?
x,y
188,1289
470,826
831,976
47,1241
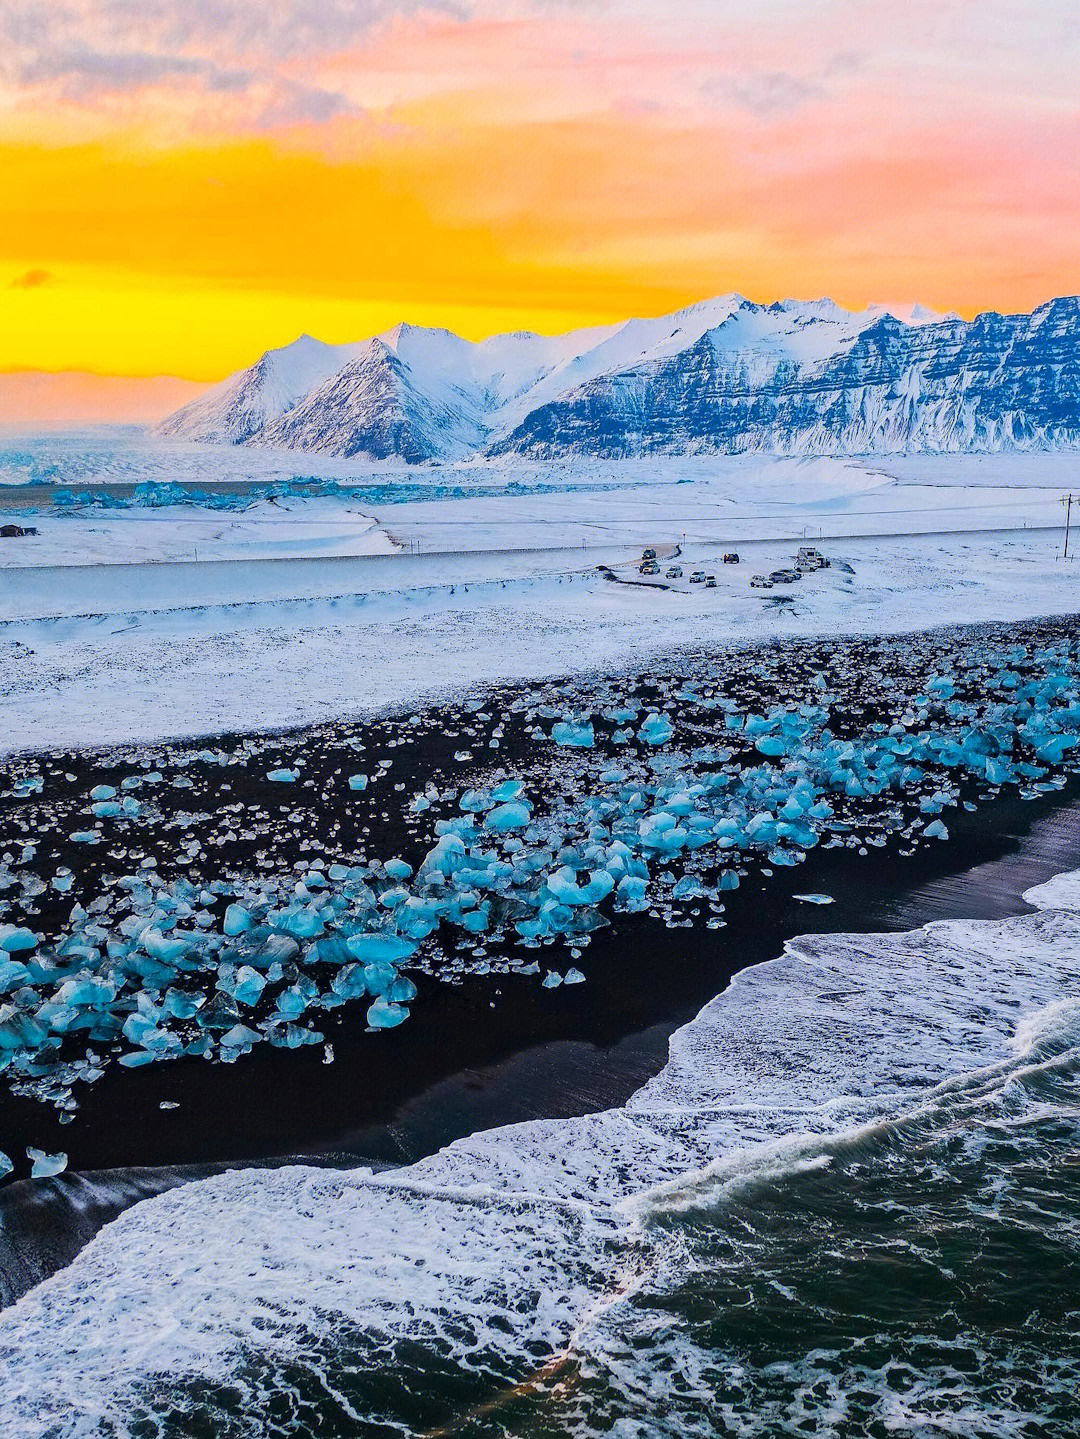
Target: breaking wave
x,y
848,1205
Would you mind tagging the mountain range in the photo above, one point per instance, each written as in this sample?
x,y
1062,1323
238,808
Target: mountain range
x,y
723,376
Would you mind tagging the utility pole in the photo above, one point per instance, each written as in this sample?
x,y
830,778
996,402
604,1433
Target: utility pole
x,y
1067,500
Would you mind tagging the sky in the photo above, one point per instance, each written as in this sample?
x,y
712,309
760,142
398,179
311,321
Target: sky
x,y
185,185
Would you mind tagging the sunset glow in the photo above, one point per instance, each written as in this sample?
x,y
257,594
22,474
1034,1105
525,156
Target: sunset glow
x,y
183,190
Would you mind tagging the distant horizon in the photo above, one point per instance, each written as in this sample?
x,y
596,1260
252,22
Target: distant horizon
x,y
78,383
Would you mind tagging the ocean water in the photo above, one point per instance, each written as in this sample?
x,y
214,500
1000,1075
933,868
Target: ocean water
x,y
848,1205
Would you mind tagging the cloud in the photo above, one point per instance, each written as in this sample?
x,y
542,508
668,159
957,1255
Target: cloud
x,y
770,93
32,280
258,58
92,37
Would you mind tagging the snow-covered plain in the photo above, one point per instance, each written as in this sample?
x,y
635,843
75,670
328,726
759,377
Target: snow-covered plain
x,y
423,582
177,533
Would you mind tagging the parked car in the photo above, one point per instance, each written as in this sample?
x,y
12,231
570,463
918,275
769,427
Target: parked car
x,y
785,577
698,577
731,558
674,573
760,582
648,567
710,582
648,554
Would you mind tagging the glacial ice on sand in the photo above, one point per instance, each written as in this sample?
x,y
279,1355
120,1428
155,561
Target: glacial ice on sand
x,y
212,969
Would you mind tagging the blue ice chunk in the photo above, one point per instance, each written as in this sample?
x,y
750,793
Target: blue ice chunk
x,y
275,949
179,1005
508,790
349,982
416,918
998,771
552,980
358,781
13,974
656,729
103,791
143,1031
378,977
398,869
761,828
296,1036
19,1030
237,920
87,991
662,832
247,985
292,1001
477,920
473,801
573,976
564,886
283,776
6,1165
504,818
107,808
240,1037
771,744
631,891
814,898
1054,750
401,991
14,939
385,1015
447,856
574,734
44,1166
372,948
166,948
729,879
936,830
303,921
784,856
85,836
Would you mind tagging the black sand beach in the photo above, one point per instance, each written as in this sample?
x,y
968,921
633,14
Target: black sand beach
x,y
483,1050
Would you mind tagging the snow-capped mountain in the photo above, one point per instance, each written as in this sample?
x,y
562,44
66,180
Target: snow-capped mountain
x,y
241,406
726,375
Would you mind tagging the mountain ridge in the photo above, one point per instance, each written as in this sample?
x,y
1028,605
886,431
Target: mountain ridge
x,y
725,375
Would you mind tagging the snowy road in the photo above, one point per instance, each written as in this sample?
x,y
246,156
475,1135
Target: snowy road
x,y
254,656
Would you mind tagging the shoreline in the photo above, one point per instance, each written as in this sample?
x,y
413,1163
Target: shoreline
x,y
1008,845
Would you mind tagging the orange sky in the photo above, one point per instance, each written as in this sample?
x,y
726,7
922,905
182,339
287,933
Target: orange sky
x,y
182,190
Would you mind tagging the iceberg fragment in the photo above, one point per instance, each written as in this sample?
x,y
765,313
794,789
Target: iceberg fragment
x,y
44,1166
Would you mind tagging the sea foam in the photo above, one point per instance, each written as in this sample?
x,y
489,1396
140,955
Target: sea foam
x,y
255,1301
